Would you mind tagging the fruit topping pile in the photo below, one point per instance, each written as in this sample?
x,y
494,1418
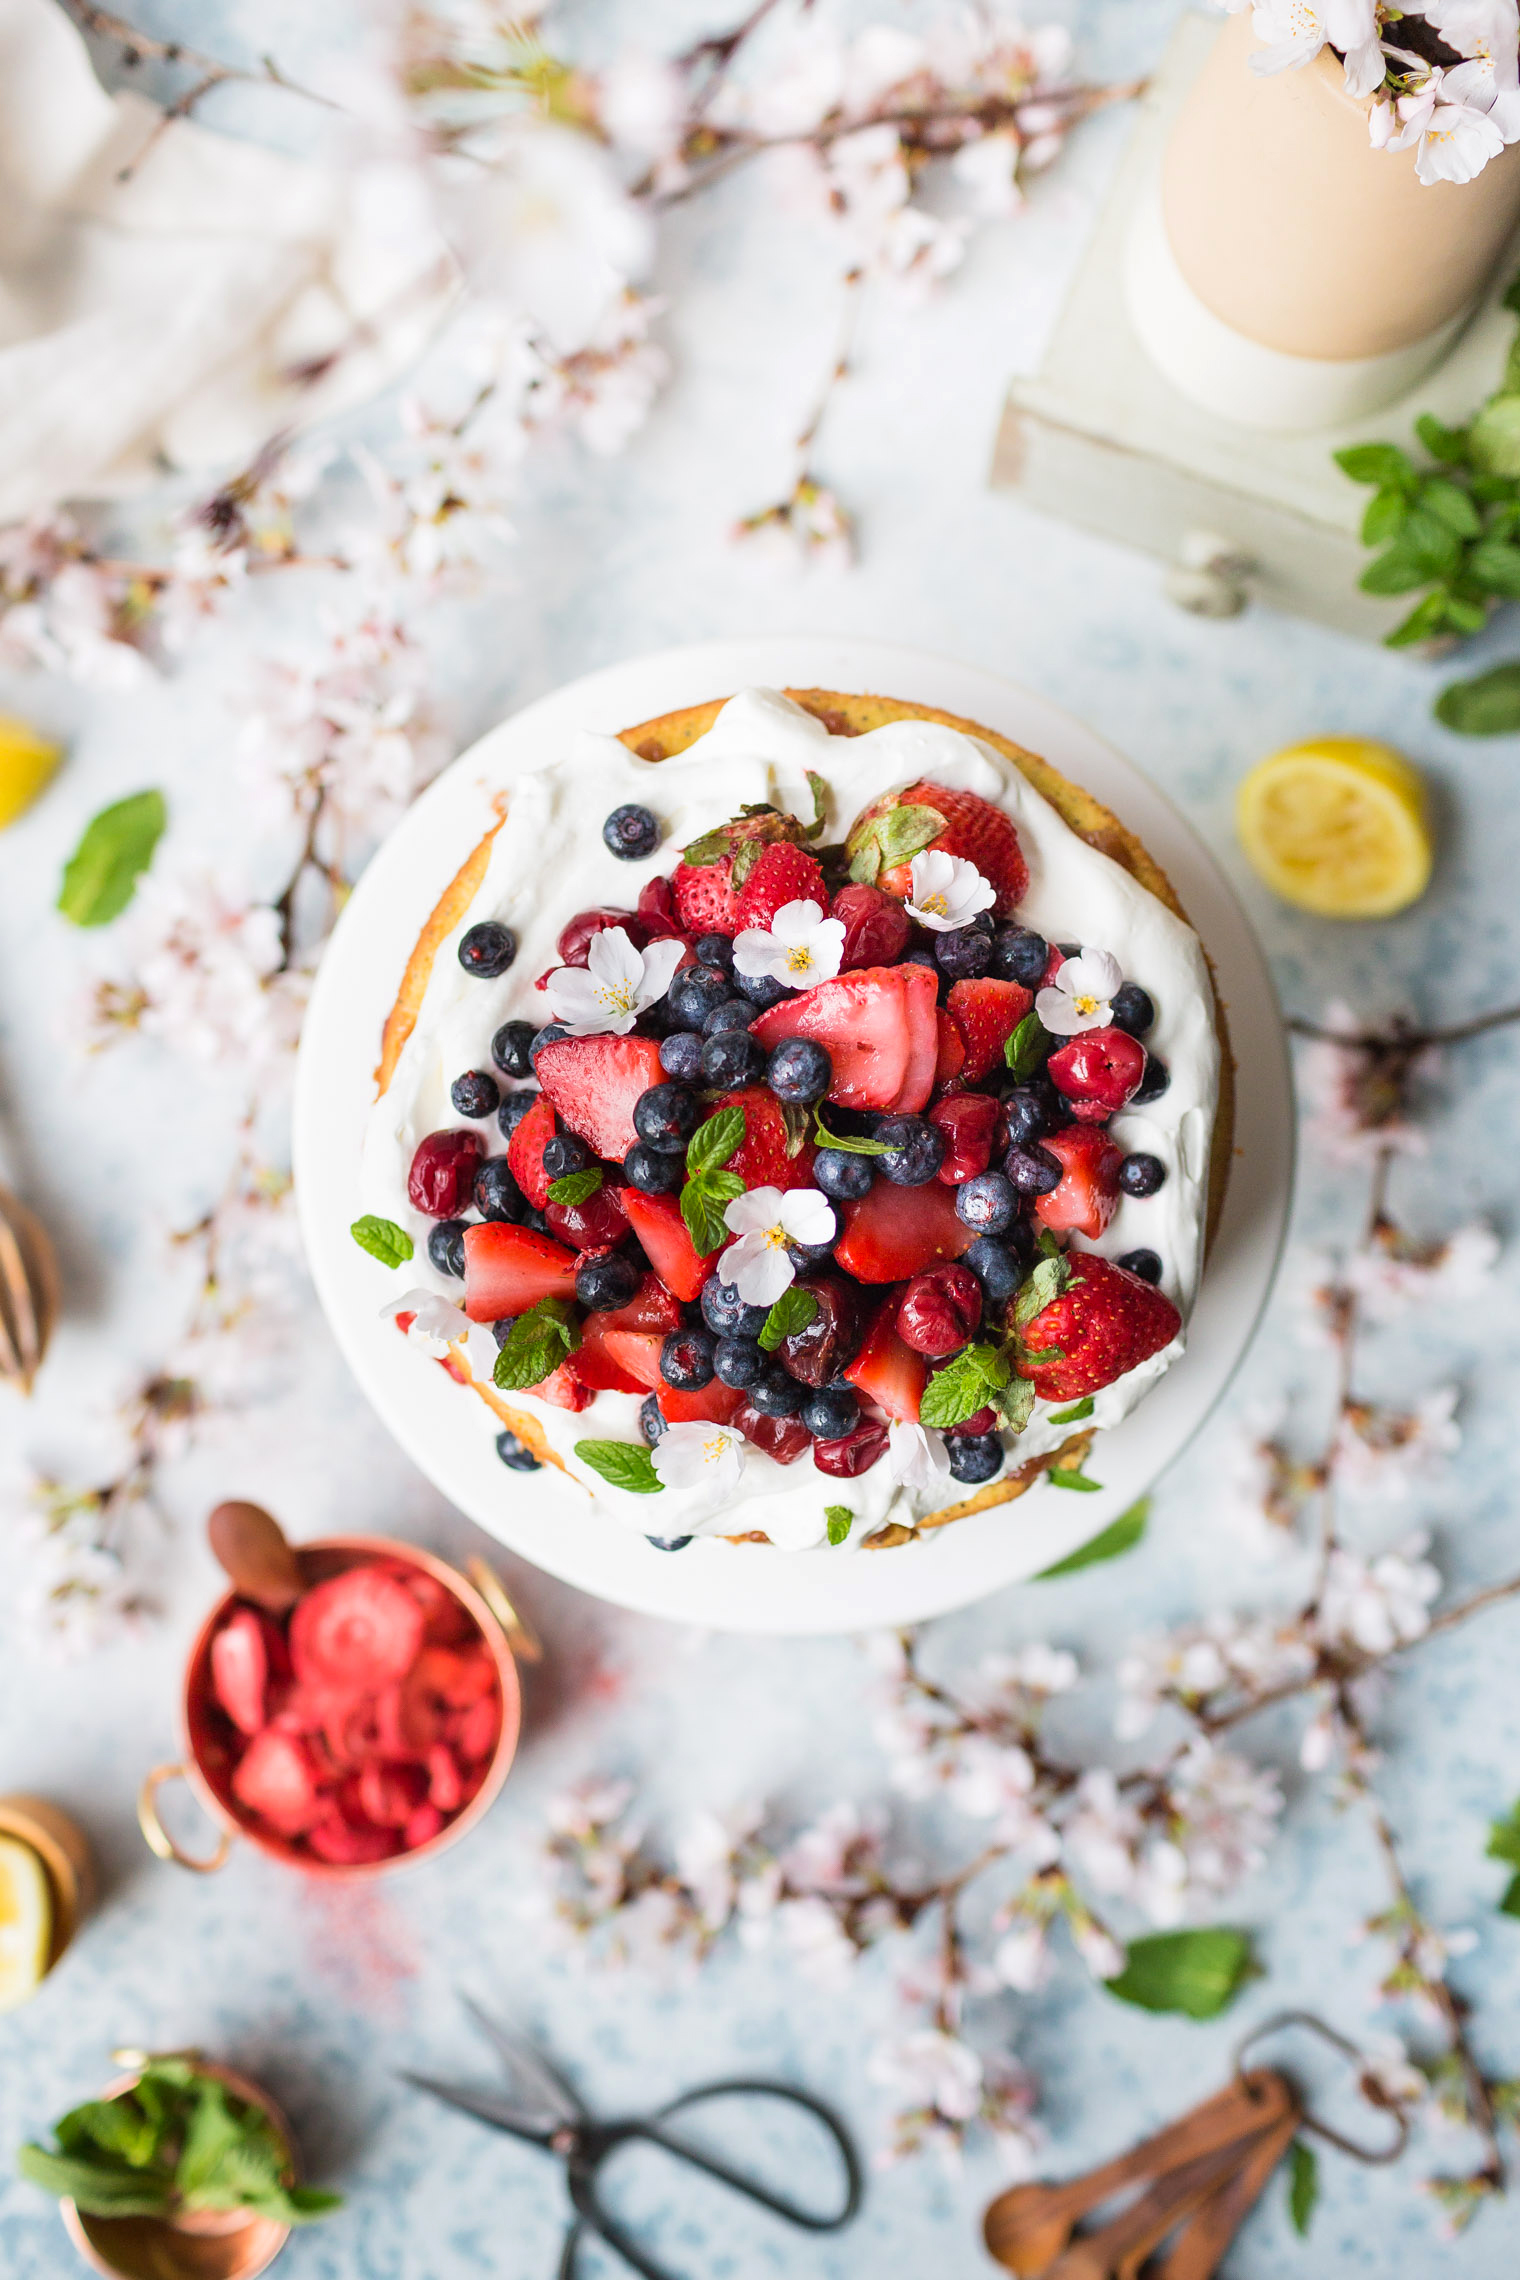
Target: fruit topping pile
x,y
796,1150
359,1727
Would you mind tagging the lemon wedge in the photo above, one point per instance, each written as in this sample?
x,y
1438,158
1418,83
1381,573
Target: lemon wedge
x,y
1339,826
26,1922
27,760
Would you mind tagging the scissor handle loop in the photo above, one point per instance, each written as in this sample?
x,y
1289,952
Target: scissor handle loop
x,y
1367,2082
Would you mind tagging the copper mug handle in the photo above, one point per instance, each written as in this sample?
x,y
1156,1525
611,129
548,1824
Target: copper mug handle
x,y
520,1640
158,1837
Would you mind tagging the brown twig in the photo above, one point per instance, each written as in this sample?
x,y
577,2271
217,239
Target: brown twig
x,y
1400,1036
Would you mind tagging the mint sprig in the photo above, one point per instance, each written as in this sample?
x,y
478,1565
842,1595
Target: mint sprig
x,y
840,1520
848,1143
1061,1476
1026,1050
623,1464
1075,1414
1044,1282
966,1384
575,1187
100,877
383,1240
793,1311
536,1344
709,1188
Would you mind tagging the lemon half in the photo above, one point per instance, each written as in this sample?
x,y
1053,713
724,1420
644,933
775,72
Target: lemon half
x,y
26,1922
27,760
1339,826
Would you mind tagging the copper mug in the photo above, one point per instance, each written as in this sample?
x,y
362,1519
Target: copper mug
x,y
203,1765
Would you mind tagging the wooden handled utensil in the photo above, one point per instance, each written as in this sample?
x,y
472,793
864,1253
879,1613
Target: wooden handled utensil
x,y
28,1291
1200,2247
252,1546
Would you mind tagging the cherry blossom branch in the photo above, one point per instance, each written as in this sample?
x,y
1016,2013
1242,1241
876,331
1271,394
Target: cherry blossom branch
x,y
1401,1036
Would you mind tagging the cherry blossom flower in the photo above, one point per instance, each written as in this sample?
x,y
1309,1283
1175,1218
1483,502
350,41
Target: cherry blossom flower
x,y
1079,996
799,948
602,391
1385,1452
206,974
1022,1959
435,1323
1358,1097
699,1456
1225,1814
916,1456
947,891
1294,32
809,526
1379,1604
614,987
1395,1273
1448,122
766,1220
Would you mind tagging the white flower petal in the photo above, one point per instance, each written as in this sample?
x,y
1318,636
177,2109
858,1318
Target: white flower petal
x,y
808,1216
757,953
698,1456
435,1322
757,1209
802,947
796,922
759,1266
915,1456
1057,1013
660,962
580,1003
613,961
947,892
1092,973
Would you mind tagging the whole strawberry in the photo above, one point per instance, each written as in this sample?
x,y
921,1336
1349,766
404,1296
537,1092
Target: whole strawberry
x,y
886,836
1105,1322
713,872
780,875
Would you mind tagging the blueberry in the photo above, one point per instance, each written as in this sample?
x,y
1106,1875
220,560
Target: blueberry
x,y
1033,1171
997,1268
695,991
1031,1110
565,1154
536,1221
926,957
1132,1009
652,1419
974,1457
831,1413
681,1056
475,1094
651,1173
514,1455
686,1360
631,833
487,950
1153,1084
502,1328
1145,1264
446,1246
964,953
800,1070
509,1048
915,1150
665,1118
841,1174
497,1194
733,1013
761,989
726,1314
1141,1175
986,1203
607,1282
715,950
806,1256
1020,955
514,1107
738,1361
550,1034
776,1393
667,1543
732,1058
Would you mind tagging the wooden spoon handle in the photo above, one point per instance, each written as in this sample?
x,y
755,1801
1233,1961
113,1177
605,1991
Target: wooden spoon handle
x,y
1198,2250
1118,2249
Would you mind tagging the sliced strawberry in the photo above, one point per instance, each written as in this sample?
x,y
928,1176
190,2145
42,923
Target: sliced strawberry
x,y
1088,1195
783,1439
597,1224
876,927
656,1221
447,1623
886,1369
893,1232
445,1788
635,1354
593,1082
973,829
1104,1323
780,875
565,1388
240,1669
525,1152
358,1629
390,1794
921,1011
652,1307
598,1367
473,1732
276,1781
968,1121
346,1841
862,1019
508,1269
704,897
764,1160
986,1013
951,1058
713,1404
1098,1072
420,1830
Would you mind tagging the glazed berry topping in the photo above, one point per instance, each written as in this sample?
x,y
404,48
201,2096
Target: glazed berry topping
x,y
964,953
1153,1084
998,1267
855,1454
1019,955
1029,1110
497,1194
715,950
842,1175
974,1457
761,989
988,1203
653,1173
1132,1009
550,1034
824,1347
606,1282
666,1116
695,992
738,1361
1145,1264
515,1455
510,1048
652,1419
776,1393
681,1055
686,1359
1141,1175
726,1314
940,1310
831,1412
565,1154
631,833
1032,1170
980,1421
731,1059
733,1013
800,1070
877,929
442,1173
915,1150
1098,1072
446,1247
487,950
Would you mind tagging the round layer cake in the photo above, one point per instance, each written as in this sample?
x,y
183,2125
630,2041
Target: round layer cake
x,y
808,1113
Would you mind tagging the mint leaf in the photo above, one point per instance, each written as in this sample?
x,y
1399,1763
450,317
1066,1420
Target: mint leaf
x,y
1449,445
622,1463
904,832
575,1187
1504,1839
1026,1049
116,848
1303,2186
1385,518
1015,1404
1494,566
715,1141
1075,1414
383,1240
1043,1283
1198,1973
963,1386
1119,1536
1487,705
793,1311
1059,1477
849,1143
536,1344
839,1518
820,792
96,2189
1450,504
703,1201
1380,463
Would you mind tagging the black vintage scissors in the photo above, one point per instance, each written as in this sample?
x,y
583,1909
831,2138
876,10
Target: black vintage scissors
x,y
541,2108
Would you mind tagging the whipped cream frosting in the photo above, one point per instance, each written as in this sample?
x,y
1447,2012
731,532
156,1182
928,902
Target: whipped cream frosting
x,y
548,861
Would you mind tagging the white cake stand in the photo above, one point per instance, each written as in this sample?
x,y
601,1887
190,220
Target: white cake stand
x,y
448,1433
